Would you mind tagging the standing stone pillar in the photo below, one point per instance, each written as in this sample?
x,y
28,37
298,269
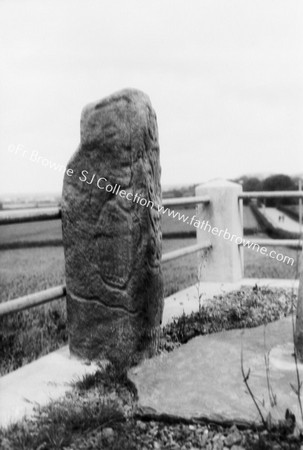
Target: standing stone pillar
x,y
111,231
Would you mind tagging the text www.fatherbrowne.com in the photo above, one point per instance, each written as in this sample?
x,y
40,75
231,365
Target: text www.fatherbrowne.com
x,y
192,221
206,226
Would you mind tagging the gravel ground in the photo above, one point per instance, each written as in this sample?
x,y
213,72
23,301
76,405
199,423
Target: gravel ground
x,y
160,435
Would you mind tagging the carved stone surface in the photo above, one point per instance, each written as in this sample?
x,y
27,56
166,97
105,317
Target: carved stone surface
x,y
111,231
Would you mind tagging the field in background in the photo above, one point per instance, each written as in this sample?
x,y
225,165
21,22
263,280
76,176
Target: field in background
x,y
292,211
23,271
293,208
43,233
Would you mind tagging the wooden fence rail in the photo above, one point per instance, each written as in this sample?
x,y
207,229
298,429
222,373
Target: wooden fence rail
x,y
293,243
185,251
11,217
31,300
272,194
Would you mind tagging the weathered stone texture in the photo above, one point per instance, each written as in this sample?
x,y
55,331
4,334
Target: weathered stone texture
x,y
113,244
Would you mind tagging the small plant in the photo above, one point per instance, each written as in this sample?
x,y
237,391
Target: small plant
x,y
201,267
284,428
89,381
271,395
254,399
198,286
111,378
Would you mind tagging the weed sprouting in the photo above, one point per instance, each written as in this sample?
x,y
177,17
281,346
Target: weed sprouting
x,y
245,379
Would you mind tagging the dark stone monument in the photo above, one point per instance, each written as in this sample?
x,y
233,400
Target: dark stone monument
x,y
111,231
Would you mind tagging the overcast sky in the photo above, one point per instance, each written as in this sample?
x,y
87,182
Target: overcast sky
x,y
225,79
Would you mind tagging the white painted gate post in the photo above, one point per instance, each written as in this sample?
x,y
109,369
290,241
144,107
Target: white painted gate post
x,y
223,227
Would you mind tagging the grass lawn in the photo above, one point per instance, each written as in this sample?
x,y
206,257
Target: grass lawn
x,y
24,271
258,266
47,231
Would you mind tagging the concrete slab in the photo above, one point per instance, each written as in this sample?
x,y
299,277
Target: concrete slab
x,y
37,383
202,379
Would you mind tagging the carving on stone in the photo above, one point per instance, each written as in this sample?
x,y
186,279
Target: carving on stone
x,y
112,243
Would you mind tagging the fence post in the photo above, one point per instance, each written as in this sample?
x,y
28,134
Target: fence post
x,y
221,223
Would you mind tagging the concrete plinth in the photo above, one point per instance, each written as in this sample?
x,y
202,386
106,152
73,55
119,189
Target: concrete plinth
x,y
220,220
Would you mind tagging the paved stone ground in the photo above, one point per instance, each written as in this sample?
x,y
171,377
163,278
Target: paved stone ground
x,y
202,379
